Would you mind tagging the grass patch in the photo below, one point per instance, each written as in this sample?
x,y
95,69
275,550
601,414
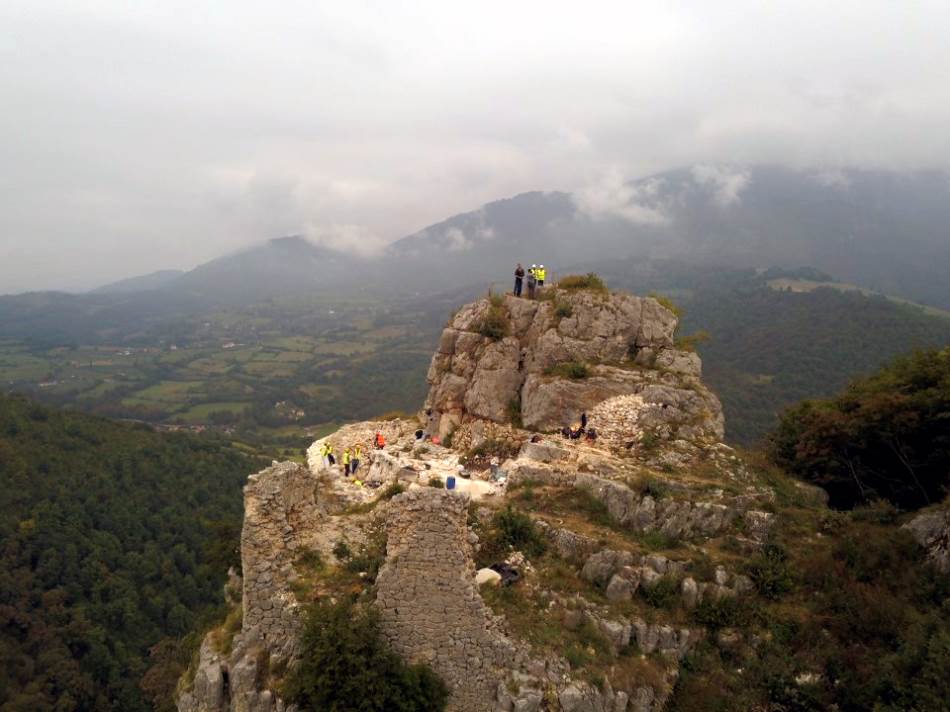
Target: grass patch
x,y
575,282
495,325
570,369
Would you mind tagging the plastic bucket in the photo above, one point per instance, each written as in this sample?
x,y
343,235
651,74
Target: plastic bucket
x,y
450,482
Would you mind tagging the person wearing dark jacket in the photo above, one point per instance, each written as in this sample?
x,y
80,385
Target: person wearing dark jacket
x,y
519,279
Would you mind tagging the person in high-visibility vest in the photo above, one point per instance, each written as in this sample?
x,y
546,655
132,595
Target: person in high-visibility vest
x,y
346,461
541,273
324,451
357,456
330,458
379,442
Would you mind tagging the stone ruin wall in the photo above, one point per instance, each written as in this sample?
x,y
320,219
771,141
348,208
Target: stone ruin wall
x,y
430,606
278,502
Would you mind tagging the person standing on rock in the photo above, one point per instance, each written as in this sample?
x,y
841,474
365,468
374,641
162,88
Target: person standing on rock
x,y
357,456
532,281
346,461
324,453
541,273
330,459
519,279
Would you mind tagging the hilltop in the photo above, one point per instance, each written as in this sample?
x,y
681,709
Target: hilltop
x,y
641,570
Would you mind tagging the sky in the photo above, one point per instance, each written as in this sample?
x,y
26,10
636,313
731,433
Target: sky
x,y
137,136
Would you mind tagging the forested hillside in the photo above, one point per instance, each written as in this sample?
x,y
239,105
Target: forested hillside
x,y
115,541
768,348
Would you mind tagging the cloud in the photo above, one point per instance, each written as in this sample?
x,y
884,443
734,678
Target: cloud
x,y
832,178
145,141
456,240
357,239
727,184
613,197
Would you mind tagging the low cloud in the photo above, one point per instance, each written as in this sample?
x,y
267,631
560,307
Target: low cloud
x,y
727,184
832,179
356,239
612,197
456,240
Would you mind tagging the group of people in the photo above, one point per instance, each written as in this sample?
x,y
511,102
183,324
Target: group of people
x,y
579,430
536,275
352,455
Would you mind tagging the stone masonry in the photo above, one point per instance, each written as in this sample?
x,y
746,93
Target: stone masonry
x,y
431,609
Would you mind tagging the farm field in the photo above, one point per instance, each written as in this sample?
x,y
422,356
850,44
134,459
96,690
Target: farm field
x,y
269,374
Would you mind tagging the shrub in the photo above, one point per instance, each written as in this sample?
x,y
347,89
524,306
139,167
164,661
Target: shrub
x,y
514,411
725,613
369,559
574,282
436,483
570,369
770,572
391,491
668,303
885,437
492,447
495,324
342,551
345,664
496,300
518,530
562,310
689,343
664,593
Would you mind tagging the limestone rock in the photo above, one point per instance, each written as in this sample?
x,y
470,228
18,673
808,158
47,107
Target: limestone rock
x,y
932,531
471,376
487,576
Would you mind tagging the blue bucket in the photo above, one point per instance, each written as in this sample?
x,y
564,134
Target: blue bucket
x,y
450,482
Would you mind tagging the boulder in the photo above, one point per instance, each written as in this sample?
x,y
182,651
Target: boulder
x,y
932,531
487,576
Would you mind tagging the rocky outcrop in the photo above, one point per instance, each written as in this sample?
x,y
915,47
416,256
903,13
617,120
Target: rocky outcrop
x,y
932,531
624,342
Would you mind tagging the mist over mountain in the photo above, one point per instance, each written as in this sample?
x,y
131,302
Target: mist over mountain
x,y
144,283
882,230
885,231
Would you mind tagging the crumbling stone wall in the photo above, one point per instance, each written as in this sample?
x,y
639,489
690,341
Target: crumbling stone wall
x,y
431,610
278,502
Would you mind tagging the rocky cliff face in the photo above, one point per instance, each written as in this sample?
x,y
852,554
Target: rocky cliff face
x,y
623,519
607,345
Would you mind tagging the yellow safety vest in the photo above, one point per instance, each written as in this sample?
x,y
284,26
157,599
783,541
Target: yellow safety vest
x,y
358,453
541,274
346,457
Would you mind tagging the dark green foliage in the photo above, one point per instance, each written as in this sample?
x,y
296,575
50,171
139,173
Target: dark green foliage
x,y
887,436
342,551
771,572
570,369
346,666
370,557
514,411
509,529
573,282
664,593
392,490
492,447
495,325
115,541
726,612
436,483
562,310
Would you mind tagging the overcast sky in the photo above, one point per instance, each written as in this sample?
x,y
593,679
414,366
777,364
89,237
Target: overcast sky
x,y
137,136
